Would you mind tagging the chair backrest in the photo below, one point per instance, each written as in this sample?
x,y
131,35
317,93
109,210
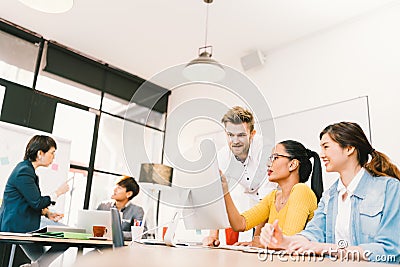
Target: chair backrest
x,y
117,234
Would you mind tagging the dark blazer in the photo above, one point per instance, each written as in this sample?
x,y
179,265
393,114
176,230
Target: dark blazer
x,y
22,201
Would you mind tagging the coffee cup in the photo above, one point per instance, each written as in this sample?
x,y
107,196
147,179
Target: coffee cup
x,y
99,230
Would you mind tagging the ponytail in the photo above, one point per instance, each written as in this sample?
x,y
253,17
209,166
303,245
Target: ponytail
x,y
316,178
380,165
297,151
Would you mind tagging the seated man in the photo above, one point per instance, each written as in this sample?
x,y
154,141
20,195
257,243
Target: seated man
x,y
125,190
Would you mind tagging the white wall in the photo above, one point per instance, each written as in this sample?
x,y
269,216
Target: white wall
x,y
361,57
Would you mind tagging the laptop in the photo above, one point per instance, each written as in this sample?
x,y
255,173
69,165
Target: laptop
x,y
117,235
88,218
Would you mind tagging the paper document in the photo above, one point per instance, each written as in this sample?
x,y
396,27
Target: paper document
x,y
15,234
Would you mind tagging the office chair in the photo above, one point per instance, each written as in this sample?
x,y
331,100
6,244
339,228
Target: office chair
x,y
117,234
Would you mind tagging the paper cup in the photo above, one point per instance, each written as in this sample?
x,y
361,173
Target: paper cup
x,y
137,232
164,230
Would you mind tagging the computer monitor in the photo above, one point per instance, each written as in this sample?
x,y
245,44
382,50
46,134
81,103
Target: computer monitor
x,y
205,208
199,198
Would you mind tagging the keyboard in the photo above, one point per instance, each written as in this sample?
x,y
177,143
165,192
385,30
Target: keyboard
x,y
162,242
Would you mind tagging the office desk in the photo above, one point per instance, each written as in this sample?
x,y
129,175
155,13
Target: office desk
x,y
48,241
44,241
161,256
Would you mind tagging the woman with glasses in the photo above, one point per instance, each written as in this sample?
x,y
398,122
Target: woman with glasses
x,y
293,204
358,217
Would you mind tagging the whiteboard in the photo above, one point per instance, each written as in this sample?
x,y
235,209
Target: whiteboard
x,y
305,126
13,141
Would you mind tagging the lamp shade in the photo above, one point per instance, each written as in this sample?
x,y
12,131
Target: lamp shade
x,y
156,176
204,68
49,6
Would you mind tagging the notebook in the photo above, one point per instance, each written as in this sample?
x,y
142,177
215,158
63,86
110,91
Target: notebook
x,y
67,235
162,242
58,228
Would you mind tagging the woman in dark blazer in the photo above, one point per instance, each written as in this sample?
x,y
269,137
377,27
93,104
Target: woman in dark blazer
x,y
23,204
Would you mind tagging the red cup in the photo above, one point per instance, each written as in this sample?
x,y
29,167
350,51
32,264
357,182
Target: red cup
x,y
231,236
99,230
164,230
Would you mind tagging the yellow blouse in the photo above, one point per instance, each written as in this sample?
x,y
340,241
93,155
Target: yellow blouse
x,y
298,210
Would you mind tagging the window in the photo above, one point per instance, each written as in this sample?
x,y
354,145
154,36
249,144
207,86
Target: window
x,y
69,85
57,86
123,154
76,125
17,59
133,112
2,91
67,89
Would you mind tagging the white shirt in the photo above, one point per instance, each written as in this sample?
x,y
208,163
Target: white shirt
x,y
342,227
248,181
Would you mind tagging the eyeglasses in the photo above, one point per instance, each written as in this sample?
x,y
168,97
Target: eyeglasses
x,y
276,156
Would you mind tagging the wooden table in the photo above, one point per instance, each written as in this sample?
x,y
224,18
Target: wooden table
x,y
45,241
162,256
48,241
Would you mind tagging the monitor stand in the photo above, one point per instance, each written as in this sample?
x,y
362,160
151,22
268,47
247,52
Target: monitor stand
x,y
170,233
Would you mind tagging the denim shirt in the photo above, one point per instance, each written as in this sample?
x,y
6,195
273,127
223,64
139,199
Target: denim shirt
x,y
375,218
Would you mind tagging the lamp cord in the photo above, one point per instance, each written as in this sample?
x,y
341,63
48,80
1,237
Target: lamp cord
x,y
206,31
157,227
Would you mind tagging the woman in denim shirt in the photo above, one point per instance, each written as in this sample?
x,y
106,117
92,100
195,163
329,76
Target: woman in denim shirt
x,y
358,217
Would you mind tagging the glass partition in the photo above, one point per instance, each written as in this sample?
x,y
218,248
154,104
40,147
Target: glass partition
x,y
132,111
76,125
67,89
2,92
144,146
17,59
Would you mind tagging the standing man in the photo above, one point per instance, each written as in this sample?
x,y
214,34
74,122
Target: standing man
x,y
243,164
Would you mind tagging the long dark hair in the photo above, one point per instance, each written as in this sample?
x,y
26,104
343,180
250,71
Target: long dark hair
x,y
350,134
297,151
37,143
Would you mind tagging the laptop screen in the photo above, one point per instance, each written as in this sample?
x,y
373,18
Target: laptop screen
x,y
117,234
88,218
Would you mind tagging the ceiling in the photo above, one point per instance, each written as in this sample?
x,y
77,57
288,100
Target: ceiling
x,y
145,37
